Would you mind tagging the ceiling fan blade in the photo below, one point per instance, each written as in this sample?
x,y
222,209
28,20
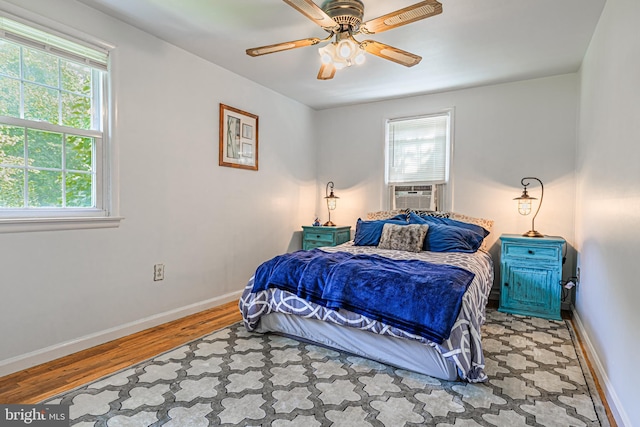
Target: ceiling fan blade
x,y
391,53
401,17
279,47
309,9
327,71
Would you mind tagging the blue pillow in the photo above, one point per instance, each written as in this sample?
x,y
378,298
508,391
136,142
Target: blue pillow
x,y
448,237
414,218
368,232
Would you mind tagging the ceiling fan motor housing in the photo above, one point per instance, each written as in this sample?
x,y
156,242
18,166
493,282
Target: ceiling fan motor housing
x,y
347,13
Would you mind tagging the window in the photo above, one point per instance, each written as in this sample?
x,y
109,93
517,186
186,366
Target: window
x,y
53,159
418,152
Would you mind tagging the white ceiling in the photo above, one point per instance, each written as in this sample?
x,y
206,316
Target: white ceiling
x,y
472,43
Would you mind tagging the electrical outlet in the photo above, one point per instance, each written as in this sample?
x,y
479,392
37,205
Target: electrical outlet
x,y
158,272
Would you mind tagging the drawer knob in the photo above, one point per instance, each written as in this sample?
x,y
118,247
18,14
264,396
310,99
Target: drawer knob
x,y
531,252
506,284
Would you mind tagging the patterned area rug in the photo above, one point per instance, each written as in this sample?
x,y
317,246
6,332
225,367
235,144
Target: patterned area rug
x,y
537,377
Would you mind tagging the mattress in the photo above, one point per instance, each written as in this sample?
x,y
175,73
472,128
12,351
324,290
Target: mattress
x,y
463,348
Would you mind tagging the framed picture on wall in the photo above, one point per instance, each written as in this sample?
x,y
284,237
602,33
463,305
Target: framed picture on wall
x,y
238,138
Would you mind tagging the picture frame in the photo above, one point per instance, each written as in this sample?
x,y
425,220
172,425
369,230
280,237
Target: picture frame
x,y
238,138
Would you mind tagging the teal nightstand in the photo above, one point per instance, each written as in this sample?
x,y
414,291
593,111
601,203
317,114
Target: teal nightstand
x,y
531,269
316,237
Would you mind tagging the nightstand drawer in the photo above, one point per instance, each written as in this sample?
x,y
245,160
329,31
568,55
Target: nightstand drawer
x,y
319,236
532,252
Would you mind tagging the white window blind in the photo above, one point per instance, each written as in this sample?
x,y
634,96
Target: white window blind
x,y
33,37
418,149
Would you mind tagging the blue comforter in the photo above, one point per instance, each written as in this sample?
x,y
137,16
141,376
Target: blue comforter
x,y
419,297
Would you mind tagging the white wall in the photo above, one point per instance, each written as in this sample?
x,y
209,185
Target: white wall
x,y
502,134
210,225
608,204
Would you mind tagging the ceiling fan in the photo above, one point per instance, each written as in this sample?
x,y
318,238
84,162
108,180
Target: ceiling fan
x,y
342,19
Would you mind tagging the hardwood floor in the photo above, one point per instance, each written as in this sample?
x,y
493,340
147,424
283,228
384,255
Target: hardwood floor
x,y
36,384
40,382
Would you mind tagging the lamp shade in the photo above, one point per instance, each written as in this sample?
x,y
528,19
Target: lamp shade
x,y
346,48
525,202
331,202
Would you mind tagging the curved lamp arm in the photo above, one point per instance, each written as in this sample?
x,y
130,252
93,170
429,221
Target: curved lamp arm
x,y
326,190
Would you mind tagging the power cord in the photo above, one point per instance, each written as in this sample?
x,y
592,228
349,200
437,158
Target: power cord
x,y
567,285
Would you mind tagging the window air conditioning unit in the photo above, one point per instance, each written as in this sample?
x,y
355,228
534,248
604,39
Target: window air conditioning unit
x,y
418,197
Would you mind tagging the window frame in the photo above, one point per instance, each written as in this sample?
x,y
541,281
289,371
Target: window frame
x,y
105,212
444,187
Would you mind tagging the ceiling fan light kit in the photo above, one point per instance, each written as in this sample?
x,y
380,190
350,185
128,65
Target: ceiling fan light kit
x,y
342,19
344,53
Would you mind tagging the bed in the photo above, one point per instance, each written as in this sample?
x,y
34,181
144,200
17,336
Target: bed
x,y
455,355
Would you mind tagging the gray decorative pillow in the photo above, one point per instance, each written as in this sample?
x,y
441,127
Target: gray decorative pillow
x,y
403,237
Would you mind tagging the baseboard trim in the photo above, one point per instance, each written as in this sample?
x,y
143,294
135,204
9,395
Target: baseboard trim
x,y
47,354
621,417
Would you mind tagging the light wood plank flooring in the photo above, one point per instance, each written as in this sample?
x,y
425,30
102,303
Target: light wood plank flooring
x,y
40,382
36,384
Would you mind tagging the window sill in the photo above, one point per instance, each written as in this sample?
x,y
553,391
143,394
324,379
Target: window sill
x,y
21,225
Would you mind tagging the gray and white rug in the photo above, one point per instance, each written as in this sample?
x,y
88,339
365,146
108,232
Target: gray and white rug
x,y
537,377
